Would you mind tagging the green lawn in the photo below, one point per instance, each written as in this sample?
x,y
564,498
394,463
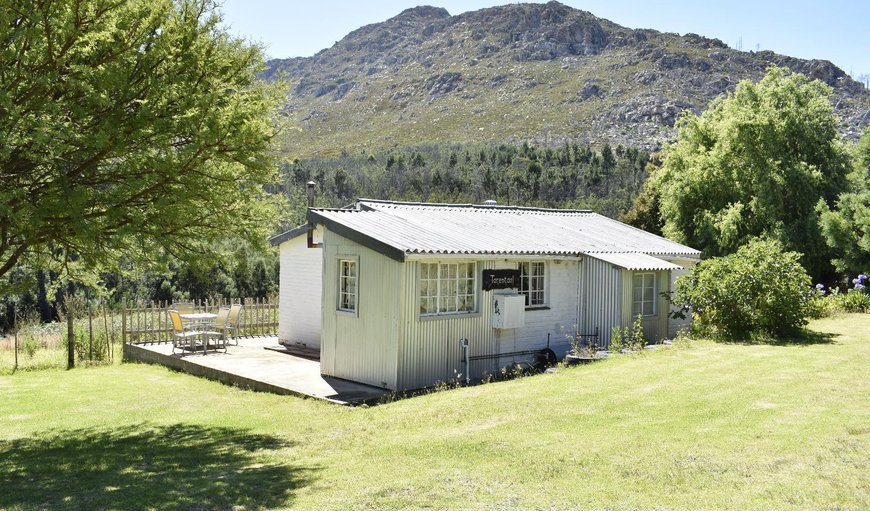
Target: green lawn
x,y
705,426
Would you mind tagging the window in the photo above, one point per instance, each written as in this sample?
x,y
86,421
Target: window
x,y
643,294
347,281
532,283
447,288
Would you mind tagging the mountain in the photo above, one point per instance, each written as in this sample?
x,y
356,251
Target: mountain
x,y
542,73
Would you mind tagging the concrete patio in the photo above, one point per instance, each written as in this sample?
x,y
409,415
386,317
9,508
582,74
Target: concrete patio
x,y
252,365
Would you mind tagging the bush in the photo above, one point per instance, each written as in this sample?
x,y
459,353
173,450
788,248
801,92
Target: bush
x,y
829,302
853,301
756,292
628,338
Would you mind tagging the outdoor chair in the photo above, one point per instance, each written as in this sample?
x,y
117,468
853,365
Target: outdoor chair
x,y
221,326
232,324
183,337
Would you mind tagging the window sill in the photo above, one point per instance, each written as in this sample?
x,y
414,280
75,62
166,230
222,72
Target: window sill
x,y
451,315
348,313
538,308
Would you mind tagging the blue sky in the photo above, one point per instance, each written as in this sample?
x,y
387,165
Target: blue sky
x,y
835,30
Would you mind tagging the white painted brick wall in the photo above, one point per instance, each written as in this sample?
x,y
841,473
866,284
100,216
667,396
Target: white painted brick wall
x,y
559,320
300,292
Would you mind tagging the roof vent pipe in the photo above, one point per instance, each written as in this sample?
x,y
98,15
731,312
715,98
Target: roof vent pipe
x,y
309,189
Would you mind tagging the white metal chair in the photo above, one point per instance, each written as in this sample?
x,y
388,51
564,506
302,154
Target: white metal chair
x,y
221,327
183,337
232,323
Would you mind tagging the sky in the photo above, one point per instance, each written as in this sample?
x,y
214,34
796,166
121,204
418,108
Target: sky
x,y
835,30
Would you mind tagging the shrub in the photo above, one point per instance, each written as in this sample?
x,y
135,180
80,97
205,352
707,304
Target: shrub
x,y
852,301
757,291
826,303
628,338
30,346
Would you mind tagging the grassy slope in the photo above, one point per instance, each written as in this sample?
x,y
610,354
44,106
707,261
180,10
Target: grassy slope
x,y
535,97
705,427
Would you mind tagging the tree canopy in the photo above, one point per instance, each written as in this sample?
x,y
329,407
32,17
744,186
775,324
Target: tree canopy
x,y
756,163
847,226
129,130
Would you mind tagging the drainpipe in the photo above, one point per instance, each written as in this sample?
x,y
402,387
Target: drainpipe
x,y
309,188
463,344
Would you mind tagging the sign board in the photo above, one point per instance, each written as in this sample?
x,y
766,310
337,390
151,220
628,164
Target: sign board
x,y
500,279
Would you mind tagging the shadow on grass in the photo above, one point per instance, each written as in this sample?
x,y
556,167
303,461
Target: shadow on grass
x,y
142,467
806,338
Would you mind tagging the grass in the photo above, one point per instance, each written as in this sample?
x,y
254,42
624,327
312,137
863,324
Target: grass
x,y
702,426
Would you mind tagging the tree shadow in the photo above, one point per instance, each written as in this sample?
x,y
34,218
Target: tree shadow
x,y
802,338
807,338
139,467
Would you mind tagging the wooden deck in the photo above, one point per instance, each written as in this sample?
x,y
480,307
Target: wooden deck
x,y
258,363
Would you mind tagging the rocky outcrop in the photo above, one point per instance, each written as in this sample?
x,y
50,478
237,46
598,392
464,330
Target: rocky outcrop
x,y
523,71
439,85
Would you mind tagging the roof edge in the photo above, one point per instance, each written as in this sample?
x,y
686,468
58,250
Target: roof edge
x,y
288,235
635,261
354,235
362,201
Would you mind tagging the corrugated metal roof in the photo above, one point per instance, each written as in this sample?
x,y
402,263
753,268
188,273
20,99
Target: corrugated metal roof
x,y
420,228
636,262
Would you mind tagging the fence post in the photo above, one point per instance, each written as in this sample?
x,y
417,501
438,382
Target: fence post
x,y
15,326
90,327
123,322
70,355
106,329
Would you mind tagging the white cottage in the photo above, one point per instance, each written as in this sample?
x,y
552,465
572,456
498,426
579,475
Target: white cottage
x,y
386,290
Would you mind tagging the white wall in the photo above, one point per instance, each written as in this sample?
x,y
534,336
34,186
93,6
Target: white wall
x,y
558,319
300,292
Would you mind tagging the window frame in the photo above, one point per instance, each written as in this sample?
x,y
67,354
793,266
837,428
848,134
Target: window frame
x,y
525,280
643,287
340,281
425,277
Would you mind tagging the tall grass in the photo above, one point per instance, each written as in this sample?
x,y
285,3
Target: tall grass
x,y
44,345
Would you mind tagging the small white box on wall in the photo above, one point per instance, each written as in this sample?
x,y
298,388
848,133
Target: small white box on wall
x,y
508,310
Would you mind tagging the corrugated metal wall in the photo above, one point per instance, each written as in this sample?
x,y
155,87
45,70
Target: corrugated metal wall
x,y
655,327
387,344
601,298
361,347
429,347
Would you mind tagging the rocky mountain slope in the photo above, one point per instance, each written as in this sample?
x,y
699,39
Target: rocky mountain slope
x,y
543,73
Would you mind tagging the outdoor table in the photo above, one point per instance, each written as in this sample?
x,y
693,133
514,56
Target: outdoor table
x,y
198,322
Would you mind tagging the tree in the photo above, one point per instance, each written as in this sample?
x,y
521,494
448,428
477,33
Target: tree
x,y
756,163
847,227
645,212
128,131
